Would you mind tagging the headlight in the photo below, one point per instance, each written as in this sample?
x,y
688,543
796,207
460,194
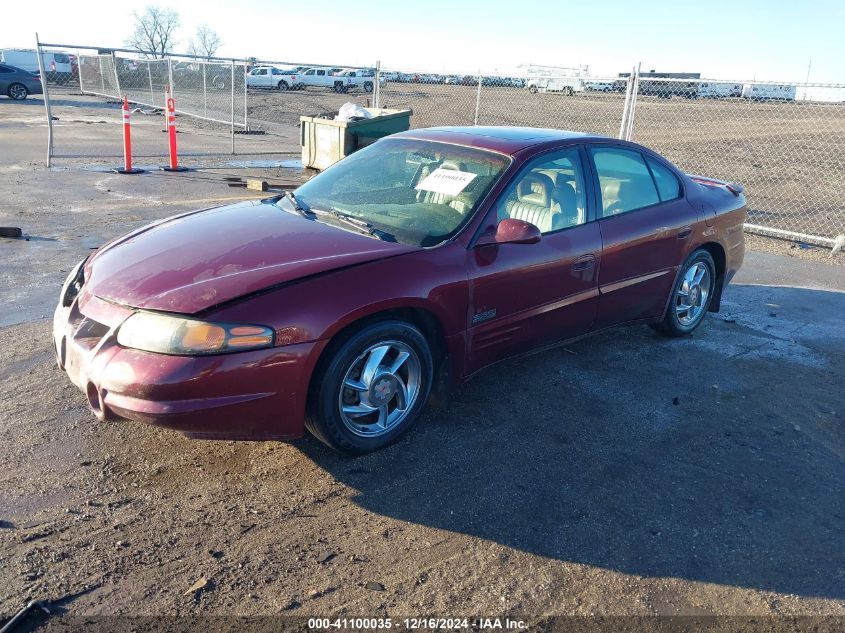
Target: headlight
x,y
165,334
73,284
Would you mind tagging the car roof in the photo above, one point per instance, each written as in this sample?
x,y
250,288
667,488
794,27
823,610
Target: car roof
x,y
504,139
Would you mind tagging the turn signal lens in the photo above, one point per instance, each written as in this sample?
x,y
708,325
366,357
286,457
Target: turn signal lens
x,y
165,334
203,337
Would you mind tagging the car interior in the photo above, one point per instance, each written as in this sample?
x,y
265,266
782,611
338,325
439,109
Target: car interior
x,y
549,196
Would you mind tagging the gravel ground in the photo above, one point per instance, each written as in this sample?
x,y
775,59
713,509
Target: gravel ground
x,y
622,475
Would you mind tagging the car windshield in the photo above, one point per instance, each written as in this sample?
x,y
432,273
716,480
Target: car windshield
x,y
419,192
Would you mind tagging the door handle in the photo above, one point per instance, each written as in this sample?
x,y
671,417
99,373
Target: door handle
x,y
684,233
584,262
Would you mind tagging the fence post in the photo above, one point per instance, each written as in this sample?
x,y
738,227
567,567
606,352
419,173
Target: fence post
x,y
477,99
204,93
150,75
623,124
46,102
116,75
170,75
632,113
102,76
245,101
233,105
377,85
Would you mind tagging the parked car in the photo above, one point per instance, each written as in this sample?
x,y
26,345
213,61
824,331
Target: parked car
x,y
413,263
57,66
599,86
17,83
270,77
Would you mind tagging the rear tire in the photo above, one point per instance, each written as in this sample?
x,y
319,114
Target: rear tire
x,y
691,296
368,86
17,91
283,85
369,389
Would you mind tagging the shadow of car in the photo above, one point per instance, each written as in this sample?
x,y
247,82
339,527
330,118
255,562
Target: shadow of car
x,y
611,454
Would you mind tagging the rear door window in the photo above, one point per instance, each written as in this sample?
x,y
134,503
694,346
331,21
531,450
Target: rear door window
x,y
625,182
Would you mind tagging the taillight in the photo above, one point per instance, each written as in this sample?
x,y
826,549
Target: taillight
x,y
38,77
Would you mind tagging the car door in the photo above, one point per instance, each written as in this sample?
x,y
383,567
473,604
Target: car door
x,y
256,77
6,75
646,224
524,296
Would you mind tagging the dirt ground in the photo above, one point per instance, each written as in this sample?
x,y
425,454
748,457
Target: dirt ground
x,y
623,475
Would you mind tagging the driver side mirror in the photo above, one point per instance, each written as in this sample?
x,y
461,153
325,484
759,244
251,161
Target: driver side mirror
x,y
511,231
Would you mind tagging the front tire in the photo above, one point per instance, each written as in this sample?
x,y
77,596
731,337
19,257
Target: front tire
x,y
282,85
691,296
18,92
371,388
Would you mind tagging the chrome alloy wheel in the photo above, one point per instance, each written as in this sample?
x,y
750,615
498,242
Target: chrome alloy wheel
x,y
693,294
380,388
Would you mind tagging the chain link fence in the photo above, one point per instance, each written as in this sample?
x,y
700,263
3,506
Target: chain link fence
x,y
783,141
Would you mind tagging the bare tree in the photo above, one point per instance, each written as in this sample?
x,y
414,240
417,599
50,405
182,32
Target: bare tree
x,y
153,32
206,43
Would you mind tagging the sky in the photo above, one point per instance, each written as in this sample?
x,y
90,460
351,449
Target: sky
x,y
739,39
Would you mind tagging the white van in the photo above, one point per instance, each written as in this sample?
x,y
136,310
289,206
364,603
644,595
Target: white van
x,y
57,66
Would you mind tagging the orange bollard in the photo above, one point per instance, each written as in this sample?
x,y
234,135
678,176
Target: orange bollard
x,y
171,131
127,144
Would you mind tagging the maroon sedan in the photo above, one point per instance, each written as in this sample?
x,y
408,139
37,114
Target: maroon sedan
x,y
414,263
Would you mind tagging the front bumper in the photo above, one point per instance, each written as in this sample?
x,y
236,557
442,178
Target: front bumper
x,y
254,395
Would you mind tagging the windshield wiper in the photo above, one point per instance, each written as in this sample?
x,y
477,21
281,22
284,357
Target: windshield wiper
x,y
360,224
298,205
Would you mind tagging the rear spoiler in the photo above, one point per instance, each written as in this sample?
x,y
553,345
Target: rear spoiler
x,y
734,188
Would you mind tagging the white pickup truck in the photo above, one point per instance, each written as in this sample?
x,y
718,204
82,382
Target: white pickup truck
x,y
362,78
322,78
339,80
271,78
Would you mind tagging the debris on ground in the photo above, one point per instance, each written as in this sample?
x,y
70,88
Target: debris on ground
x,y
199,585
10,231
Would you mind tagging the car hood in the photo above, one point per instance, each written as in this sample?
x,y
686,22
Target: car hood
x,y
197,260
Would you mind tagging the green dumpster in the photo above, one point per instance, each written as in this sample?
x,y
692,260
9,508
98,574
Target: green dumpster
x,y
325,141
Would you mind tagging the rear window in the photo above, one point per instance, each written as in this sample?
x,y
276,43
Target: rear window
x,y
667,184
61,58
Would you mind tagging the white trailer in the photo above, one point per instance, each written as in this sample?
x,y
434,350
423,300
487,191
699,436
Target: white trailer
x,y
718,90
56,65
768,92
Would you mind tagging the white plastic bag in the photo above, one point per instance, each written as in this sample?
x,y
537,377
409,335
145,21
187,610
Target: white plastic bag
x,y
349,111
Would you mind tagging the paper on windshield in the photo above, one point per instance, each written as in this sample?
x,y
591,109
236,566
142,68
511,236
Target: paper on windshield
x,y
449,182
